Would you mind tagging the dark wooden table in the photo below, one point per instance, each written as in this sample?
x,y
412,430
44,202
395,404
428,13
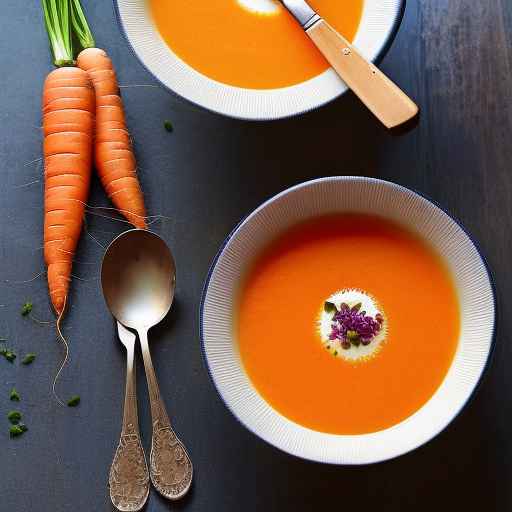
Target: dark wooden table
x,y
455,58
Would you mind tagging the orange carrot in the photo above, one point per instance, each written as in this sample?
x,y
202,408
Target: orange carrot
x,y
68,123
113,152
68,126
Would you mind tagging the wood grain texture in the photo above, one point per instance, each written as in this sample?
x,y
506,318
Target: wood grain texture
x,y
385,99
455,58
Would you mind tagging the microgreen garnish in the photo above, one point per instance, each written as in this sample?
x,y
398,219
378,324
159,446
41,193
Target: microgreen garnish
x,y
14,395
74,401
168,125
352,336
17,430
14,417
29,358
26,309
353,327
330,308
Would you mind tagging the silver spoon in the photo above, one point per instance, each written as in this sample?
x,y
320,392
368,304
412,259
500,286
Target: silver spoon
x,y
138,276
128,479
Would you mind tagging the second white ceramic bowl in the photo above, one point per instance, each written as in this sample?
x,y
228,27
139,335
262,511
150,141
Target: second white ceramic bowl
x,y
347,194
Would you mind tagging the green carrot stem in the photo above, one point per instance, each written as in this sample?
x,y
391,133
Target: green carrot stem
x,y
56,19
80,26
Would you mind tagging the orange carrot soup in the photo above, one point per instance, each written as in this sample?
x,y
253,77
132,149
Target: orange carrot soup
x,y
249,43
347,324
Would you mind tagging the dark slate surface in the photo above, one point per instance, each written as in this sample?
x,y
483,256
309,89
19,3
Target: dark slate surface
x,y
453,56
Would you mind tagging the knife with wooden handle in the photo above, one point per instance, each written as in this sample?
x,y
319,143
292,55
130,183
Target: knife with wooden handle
x,y
384,98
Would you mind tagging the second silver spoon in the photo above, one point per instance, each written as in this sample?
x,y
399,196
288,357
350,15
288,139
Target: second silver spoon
x,y
128,479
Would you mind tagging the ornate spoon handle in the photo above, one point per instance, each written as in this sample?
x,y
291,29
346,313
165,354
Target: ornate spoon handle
x,y
170,466
129,479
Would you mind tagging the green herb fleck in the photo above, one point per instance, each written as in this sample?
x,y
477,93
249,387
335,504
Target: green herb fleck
x,y
168,125
357,307
17,430
330,308
14,417
74,401
14,396
352,336
335,352
8,354
29,358
26,309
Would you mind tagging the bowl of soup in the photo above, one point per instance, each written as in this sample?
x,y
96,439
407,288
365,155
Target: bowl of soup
x,y
249,58
347,320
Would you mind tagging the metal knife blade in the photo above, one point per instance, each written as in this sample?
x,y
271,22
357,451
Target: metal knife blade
x,y
302,12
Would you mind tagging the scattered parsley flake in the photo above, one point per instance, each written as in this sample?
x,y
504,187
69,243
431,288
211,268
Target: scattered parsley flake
x,y
29,358
8,354
17,430
168,125
74,401
14,417
14,395
26,309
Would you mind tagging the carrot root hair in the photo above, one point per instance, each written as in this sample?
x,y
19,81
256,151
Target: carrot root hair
x,y
66,355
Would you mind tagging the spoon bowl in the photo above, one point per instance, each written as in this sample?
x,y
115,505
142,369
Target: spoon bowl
x,y
138,276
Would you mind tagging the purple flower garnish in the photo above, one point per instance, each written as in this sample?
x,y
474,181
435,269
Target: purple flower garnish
x,y
352,326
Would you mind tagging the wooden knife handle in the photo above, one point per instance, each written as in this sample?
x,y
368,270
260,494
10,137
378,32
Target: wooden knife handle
x,y
385,99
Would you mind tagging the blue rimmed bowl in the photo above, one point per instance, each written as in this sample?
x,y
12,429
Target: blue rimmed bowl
x,y
359,195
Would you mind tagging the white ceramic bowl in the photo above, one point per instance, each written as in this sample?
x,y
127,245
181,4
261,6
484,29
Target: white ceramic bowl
x,y
379,23
348,194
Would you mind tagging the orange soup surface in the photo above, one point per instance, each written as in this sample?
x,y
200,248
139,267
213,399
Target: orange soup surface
x,y
249,43
279,308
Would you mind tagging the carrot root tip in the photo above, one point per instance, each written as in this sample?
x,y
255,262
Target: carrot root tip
x,y
66,354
